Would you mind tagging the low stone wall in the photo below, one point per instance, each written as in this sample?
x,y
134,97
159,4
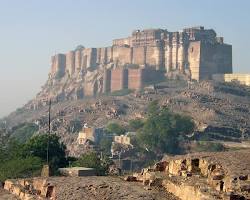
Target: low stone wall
x,y
30,189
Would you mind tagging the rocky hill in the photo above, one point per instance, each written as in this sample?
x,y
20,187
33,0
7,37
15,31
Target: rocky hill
x,y
220,111
116,83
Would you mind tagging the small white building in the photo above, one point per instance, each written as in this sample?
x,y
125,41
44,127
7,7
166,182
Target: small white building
x,y
92,134
122,139
77,171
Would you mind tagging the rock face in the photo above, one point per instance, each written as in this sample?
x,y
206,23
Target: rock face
x,y
130,63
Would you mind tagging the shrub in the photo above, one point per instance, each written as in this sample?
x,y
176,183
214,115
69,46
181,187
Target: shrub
x,y
26,160
105,145
37,146
209,146
20,168
135,124
92,160
115,128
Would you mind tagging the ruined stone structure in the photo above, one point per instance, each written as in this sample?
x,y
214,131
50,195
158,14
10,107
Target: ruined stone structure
x,y
130,63
200,176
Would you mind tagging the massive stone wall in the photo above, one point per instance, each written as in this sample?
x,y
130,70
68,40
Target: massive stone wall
x,y
139,56
78,60
154,57
214,60
206,59
122,55
70,62
58,65
119,79
194,59
135,79
159,49
90,58
195,52
107,81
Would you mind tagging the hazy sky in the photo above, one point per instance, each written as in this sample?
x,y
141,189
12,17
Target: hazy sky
x,y
32,30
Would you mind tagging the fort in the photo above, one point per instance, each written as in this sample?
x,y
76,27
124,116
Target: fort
x,y
146,56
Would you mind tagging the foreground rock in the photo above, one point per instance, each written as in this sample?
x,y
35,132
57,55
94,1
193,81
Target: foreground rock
x,y
202,176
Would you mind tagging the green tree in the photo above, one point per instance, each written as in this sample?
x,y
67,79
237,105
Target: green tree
x,y
37,146
92,160
9,149
115,128
20,168
135,124
153,108
13,164
162,129
105,145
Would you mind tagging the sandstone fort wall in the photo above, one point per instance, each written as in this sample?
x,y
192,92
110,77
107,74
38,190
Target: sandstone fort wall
x,y
154,51
119,79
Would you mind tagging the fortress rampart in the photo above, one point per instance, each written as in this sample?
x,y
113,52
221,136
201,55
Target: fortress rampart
x,y
195,52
